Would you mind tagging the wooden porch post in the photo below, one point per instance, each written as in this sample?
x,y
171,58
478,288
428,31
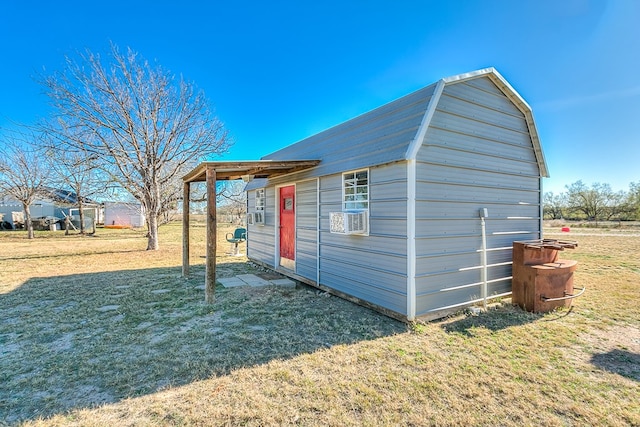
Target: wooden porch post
x,y
185,228
212,231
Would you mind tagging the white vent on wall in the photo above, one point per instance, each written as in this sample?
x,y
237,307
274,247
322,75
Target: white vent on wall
x,y
348,222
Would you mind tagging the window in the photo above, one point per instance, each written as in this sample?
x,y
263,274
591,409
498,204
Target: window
x,y
355,190
260,199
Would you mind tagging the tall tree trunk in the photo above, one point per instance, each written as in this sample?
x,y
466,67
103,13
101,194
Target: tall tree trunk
x,y
27,221
81,213
152,223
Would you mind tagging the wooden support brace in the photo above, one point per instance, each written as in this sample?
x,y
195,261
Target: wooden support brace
x,y
212,228
186,194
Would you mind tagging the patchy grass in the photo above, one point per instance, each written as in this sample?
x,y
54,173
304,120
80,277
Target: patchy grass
x,y
96,331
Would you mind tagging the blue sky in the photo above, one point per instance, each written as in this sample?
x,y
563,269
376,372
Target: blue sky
x,y
279,71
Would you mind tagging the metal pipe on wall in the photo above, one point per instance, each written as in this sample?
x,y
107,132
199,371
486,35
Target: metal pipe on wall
x,y
483,214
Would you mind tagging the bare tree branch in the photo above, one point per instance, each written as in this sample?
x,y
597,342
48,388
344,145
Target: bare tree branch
x,y
77,170
22,173
146,128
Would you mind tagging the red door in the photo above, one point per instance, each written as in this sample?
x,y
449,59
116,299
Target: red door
x,y
287,222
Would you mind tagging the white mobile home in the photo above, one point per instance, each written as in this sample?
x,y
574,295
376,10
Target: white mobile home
x,y
121,214
52,203
393,214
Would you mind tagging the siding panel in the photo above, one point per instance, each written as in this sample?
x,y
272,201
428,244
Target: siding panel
x,y
444,297
465,160
440,209
486,85
391,245
477,154
449,122
477,144
480,113
306,229
359,287
435,173
488,99
369,267
465,193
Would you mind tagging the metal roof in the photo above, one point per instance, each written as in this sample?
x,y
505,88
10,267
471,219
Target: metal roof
x,y
229,170
396,130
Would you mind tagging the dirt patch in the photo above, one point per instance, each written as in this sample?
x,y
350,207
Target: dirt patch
x,y
615,349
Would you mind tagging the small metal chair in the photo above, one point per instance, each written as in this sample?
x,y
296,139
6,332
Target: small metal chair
x,y
238,236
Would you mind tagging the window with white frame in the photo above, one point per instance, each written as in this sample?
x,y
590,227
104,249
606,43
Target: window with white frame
x,y
260,199
355,190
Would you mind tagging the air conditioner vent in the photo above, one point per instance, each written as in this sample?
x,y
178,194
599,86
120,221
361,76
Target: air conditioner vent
x,y
258,218
255,218
351,222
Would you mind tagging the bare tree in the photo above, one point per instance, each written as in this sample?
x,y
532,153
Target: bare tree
x,y
171,194
22,174
78,171
232,198
145,127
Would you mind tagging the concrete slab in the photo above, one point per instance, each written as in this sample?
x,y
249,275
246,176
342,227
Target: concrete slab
x,y
231,282
252,280
108,308
285,283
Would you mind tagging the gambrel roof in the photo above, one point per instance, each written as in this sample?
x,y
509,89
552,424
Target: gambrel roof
x,y
395,131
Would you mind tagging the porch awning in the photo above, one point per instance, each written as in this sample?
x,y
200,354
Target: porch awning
x,y
229,170
211,172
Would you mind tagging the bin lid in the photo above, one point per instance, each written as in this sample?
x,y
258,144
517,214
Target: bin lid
x,y
559,245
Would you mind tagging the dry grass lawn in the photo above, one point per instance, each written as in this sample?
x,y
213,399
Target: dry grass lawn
x,y
95,331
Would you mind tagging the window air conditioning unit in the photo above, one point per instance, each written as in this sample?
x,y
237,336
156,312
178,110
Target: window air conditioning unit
x,y
348,222
255,218
258,218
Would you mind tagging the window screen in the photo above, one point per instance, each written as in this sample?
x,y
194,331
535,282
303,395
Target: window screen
x,y
260,199
355,186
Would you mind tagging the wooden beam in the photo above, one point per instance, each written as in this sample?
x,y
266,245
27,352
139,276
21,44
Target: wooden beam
x,y
186,196
212,231
265,168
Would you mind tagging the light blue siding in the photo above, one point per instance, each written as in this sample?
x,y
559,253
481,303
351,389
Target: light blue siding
x,y
373,267
307,229
477,153
261,238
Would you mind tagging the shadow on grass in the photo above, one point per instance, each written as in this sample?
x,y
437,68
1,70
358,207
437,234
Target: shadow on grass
x,y
79,341
494,320
621,362
66,255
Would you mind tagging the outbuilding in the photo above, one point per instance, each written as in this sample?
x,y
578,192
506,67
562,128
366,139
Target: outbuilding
x,y
54,204
123,214
413,207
